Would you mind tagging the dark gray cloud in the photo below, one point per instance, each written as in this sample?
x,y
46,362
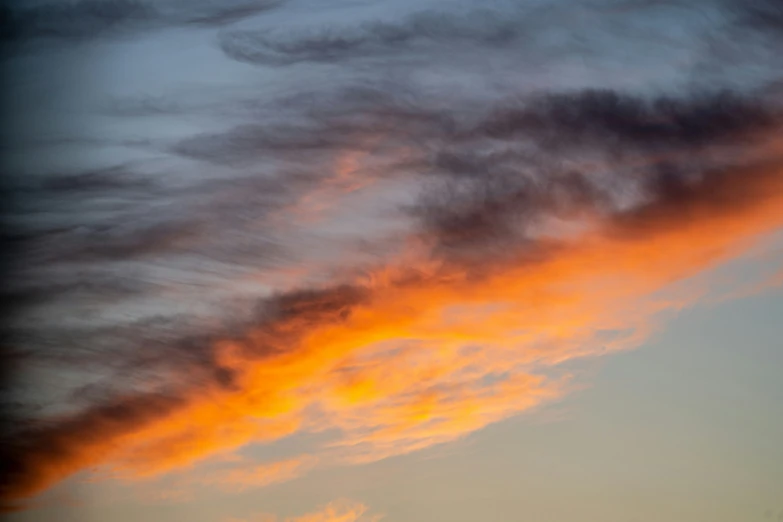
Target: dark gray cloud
x,y
88,19
487,175
376,39
647,147
78,20
504,160
214,14
143,106
123,214
106,421
764,15
601,117
537,32
589,118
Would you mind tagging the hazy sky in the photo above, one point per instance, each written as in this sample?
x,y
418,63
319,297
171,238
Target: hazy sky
x,y
348,261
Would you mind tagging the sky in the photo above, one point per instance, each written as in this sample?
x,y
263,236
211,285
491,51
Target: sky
x,y
361,260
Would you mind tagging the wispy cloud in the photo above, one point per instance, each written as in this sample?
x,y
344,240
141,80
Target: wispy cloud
x,y
244,477
90,19
337,511
377,39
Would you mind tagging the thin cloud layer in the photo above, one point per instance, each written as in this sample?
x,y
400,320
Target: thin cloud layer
x,y
245,477
377,39
385,266
337,511
537,31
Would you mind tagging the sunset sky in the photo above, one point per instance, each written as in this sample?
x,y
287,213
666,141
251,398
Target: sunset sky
x,y
410,261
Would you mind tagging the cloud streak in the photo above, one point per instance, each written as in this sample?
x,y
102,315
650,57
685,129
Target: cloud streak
x,y
337,511
90,19
245,477
378,39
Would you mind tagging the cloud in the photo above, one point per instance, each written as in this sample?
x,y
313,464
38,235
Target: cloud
x,y
88,19
97,431
432,348
377,39
245,477
101,239
73,20
519,231
529,34
337,511
600,117
765,16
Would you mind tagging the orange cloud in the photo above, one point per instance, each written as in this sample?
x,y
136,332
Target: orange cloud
x,y
425,350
